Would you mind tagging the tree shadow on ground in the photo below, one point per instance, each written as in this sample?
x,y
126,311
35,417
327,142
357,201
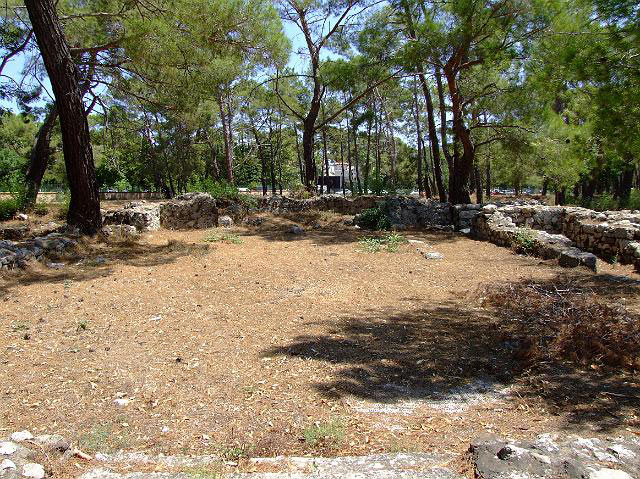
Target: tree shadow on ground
x,y
93,259
435,352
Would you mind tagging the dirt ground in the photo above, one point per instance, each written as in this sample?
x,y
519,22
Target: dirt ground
x,y
278,344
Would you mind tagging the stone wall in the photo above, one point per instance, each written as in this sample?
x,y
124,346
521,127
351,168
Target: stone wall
x,y
17,253
408,212
189,211
337,203
140,214
613,235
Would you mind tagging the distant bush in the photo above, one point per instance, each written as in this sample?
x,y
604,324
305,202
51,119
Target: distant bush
x,y
299,192
8,208
374,218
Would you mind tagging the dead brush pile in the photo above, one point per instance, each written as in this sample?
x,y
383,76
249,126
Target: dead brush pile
x,y
566,321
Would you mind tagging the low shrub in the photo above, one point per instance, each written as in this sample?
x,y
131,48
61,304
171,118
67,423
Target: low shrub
x,y
8,208
40,209
374,218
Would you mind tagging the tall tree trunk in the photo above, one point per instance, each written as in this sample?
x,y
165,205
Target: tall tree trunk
x,y
478,183
227,136
367,161
349,157
462,165
626,181
443,122
300,166
84,208
357,155
393,153
39,157
344,193
433,138
487,175
416,116
309,127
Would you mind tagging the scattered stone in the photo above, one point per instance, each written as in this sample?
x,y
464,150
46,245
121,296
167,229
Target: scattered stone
x,y
7,448
33,470
254,220
21,436
606,473
568,457
22,217
7,464
56,265
52,442
119,231
433,255
296,230
572,257
225,221
121,402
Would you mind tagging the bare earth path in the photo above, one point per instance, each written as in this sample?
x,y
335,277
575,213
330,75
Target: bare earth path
x,y
287,345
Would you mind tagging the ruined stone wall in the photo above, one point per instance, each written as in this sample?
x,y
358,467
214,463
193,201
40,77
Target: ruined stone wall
x,y
189,211
613,235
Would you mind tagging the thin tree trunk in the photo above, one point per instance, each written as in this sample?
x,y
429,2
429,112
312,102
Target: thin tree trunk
x,y
393,153
416,116
488,180
227,137
367,161
443,123
300,166
325,159
478,185
84,208
39,157
344,193
349,157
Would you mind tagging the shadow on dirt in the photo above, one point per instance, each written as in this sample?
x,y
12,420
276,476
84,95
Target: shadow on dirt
x,y
432,351
92,260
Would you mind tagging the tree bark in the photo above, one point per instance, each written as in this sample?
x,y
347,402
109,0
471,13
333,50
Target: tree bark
x,y
84,208
39,157
227,136
488,179
462,165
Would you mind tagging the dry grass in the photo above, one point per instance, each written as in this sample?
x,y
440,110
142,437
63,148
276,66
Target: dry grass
x,y
568,321
239,349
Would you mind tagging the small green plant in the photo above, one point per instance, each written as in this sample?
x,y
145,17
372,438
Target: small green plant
x,y
330,433
235,452
374,218
614,259
372,244
96,439
222,236
83,325
64,199
394,240
524,241
203,472
20,326
8,208
40,209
